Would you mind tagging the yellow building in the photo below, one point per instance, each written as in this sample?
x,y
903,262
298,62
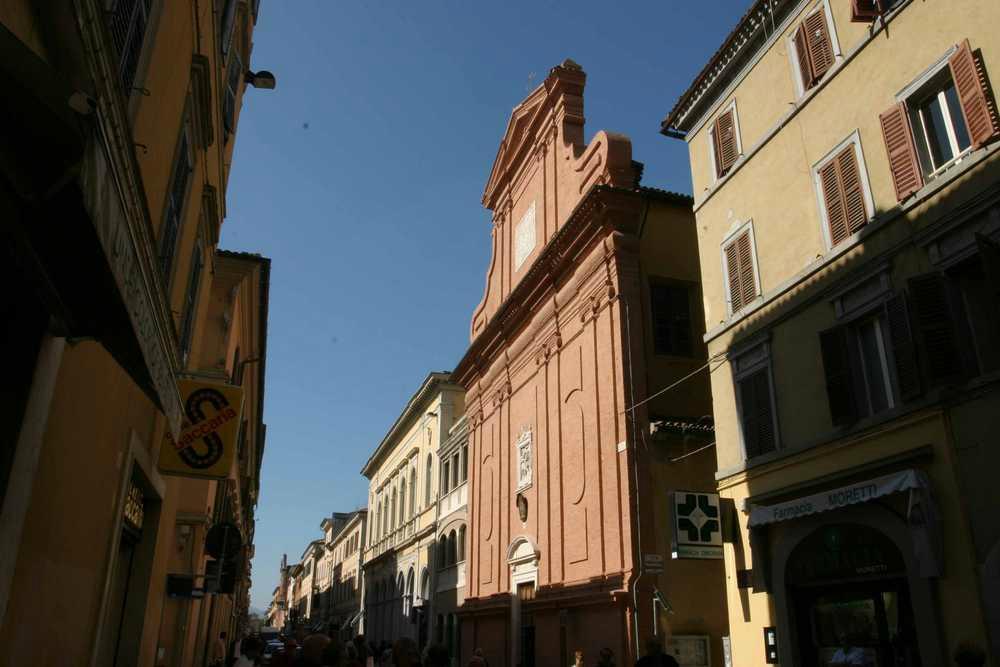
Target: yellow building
x,y
343,601
117,142
847,195
403,474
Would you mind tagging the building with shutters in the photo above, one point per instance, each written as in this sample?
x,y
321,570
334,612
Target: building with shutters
x,y
591,308
847,194
118,135
404,476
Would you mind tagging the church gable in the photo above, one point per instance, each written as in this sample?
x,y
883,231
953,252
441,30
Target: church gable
x,y
543,168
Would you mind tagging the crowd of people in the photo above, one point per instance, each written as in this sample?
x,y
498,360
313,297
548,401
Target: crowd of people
x,y
321,650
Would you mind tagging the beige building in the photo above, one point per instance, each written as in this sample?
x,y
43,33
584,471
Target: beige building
x,y
452,521
343,599
847,194
403,474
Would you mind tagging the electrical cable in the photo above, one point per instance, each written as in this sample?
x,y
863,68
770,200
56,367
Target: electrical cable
x,y
700,449
671,386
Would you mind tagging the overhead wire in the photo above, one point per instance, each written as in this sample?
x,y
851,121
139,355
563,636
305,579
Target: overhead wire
x,y
713,358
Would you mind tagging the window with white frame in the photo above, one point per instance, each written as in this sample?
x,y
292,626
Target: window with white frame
x,y
724,140
813,47
843,191
939,129
739,266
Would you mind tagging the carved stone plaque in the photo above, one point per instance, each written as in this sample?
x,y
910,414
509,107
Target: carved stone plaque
x,y
525,469
524,237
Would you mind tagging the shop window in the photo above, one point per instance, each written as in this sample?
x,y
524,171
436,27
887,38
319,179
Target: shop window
x,y
670,306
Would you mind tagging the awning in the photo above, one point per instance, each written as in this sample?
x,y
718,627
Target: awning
x,y
852,494
922,518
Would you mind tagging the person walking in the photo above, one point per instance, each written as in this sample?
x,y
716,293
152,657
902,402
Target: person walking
x,y
655,657
250,649
577,658
219,651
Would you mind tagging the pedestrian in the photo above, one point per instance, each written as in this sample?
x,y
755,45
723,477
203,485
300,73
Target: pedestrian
x,y
607,658
577,658
655,657
405,653
312,651
437,656
333,654
250,648
219,651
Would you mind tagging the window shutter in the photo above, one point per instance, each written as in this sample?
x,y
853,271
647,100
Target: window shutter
x,y
989,252
906,175
970,84
850,182
904,350
725,143
932,314
745,251
820,46
835,349
802,52
835,214
733,269
757,415
865,11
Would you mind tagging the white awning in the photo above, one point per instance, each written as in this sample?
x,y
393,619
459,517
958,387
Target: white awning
x,y
851,494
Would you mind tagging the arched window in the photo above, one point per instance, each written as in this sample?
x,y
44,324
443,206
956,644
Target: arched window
x,y
392,512
452,549
408,600
427,483
402,501
413,491
400,586
425,584
461,542
442,552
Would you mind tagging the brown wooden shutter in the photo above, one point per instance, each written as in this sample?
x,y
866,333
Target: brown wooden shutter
x,y
835,349
757,414
904,351
835,214
802,52
820,46
733,269
970,84
717,149
843,195
725,142
907,176
745,250
865,11
935,324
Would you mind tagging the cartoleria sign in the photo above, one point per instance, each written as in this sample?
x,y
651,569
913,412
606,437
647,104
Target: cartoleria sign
x,y
210,429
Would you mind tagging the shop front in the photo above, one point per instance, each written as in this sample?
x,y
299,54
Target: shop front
x,y
851,570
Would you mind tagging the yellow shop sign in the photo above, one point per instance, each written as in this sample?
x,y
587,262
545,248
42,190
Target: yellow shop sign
x,y
209,431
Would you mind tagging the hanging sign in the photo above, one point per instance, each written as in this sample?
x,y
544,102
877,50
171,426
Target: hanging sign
x,y
697,525
209,431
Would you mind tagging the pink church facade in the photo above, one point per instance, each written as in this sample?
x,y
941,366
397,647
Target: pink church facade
x,y
568,487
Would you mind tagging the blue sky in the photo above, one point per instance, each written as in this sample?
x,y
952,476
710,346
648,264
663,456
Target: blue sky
x,y
361,177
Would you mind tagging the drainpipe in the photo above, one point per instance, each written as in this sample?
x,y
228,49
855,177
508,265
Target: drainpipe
x,y
634,584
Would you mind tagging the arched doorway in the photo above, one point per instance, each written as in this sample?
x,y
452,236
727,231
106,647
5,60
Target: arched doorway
x,y
849,599
522,557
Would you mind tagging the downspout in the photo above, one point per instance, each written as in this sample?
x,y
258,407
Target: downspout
x,y
634,583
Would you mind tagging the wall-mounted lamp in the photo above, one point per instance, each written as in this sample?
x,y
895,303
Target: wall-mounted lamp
x,y
262,79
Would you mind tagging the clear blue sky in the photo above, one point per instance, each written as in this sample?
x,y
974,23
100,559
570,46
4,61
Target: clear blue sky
x,y
361,177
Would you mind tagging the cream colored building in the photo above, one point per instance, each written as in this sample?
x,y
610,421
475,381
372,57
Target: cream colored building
x,y
402,503
343,600
452,540
847,194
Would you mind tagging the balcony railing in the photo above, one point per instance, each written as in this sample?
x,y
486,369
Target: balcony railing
x,y
399,535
